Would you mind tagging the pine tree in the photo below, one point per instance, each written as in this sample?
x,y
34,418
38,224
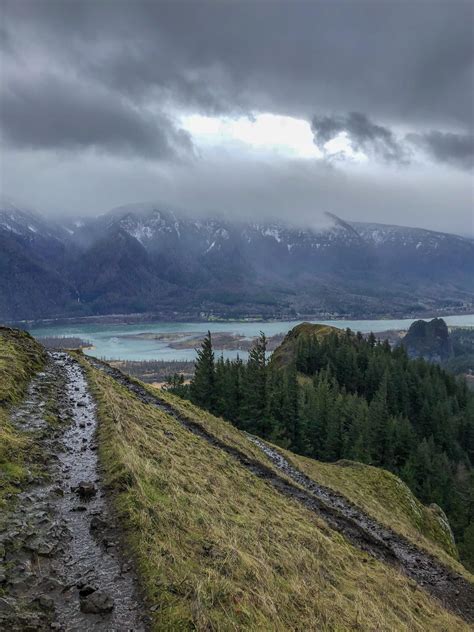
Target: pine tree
x,y
203,385
254,389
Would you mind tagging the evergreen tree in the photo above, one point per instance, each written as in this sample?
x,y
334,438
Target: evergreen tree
x,y
203,391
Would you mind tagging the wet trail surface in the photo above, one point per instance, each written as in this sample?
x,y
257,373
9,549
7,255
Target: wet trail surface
x,y
65,568
452,589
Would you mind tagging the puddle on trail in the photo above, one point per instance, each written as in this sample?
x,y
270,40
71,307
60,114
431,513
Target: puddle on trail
x,y
62,547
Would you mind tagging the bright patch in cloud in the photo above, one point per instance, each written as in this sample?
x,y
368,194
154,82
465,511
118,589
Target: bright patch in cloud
x,y
268,133
340,147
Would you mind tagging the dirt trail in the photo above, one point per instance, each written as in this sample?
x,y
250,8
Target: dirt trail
x,y
64,566
451,588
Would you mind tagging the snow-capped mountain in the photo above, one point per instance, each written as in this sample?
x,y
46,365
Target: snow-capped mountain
x,y
147,258
22,221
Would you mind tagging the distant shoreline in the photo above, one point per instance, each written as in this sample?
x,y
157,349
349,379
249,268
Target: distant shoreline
x,y
134,319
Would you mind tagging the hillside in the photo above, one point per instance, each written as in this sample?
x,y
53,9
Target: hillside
x,y
285,354
335,395
153,260
222,532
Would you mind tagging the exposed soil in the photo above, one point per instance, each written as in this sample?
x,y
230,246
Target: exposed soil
x,y
64,566
452,589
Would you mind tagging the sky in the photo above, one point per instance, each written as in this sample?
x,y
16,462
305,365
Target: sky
x,y
254,109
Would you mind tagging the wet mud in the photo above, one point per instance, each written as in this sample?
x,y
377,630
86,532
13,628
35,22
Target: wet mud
x,y
64,566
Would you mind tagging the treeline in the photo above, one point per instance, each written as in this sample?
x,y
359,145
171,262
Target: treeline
x,y
344,396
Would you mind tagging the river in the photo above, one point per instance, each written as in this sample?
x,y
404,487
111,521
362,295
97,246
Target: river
x,y
108,341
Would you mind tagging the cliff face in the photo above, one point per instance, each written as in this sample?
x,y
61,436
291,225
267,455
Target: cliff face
x,y
429,340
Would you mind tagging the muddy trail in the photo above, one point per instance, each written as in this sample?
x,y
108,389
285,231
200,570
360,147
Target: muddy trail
x,y
452,589
64,567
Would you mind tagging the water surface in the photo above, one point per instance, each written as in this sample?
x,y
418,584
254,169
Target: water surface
x,y
108,341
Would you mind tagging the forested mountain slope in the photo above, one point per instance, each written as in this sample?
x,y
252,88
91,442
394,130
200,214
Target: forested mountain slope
x,y
143,258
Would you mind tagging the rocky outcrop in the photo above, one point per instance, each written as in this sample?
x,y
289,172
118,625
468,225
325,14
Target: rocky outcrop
x,y
429,340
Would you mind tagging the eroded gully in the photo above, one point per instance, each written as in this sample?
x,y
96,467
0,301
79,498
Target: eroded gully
x,y
451,588
64,564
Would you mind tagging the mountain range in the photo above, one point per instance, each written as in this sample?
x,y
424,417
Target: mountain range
x,y
142,258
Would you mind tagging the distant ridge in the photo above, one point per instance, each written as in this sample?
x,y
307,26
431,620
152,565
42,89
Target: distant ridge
x,y
163,262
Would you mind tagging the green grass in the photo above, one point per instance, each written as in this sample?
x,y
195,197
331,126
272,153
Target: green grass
x,y
379,493
386,498
219,549
20,357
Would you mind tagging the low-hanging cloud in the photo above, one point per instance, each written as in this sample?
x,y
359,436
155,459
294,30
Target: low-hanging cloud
x,y
363,134
446,147
456,149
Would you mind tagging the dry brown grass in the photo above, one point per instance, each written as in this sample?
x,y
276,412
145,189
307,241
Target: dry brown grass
x,y
219,549
20,358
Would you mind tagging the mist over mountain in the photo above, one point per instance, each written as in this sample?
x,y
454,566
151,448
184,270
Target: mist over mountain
x,y
142,258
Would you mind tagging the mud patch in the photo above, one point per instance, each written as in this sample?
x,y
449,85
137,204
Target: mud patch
x,y
63,567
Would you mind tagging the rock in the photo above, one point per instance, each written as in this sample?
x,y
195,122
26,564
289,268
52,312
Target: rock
x,y
45,602
41,547
85,589
97,524
6,605
97,602
86,489
81,403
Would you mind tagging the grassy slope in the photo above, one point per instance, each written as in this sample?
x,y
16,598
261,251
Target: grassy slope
x,y
20,357
378,492
218,549
387,499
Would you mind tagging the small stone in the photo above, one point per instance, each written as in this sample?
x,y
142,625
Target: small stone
x,y
85,589
6,605
47,603
86,489
97,602
97,524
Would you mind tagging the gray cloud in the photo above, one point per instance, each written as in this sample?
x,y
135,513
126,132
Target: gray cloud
x,y
455,149
363,134
57,113
392,60
115,77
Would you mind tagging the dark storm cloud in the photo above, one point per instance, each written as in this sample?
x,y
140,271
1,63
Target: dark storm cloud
x,y
395,61
364,135
56,113
455,149
116,75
